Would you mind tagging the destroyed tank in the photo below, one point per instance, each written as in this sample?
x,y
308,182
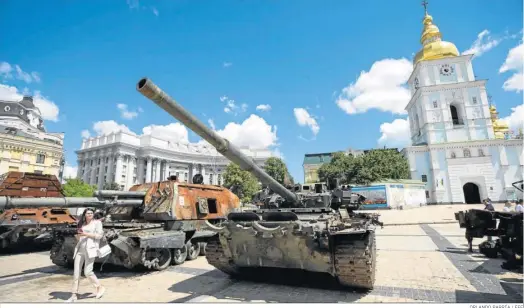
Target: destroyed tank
x,y
26,227
312,230
509,243
153,225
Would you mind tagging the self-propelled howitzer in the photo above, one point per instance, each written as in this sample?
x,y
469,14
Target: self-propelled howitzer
x,y
308,227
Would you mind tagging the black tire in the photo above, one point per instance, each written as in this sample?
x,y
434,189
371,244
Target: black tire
x,y
193,250
179,256
59,255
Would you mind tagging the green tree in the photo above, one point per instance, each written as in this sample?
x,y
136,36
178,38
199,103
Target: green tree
x,y
77,188
373,166
244,183
277,169
111,186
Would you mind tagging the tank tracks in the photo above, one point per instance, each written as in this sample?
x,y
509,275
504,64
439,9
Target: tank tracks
x,y
217,257
59,256
355,260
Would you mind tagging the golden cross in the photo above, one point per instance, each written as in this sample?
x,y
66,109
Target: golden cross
x,y
425,5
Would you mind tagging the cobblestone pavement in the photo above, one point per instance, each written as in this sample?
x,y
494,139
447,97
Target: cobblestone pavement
x,y
423,259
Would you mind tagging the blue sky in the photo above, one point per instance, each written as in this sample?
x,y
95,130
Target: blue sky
x,y
85,57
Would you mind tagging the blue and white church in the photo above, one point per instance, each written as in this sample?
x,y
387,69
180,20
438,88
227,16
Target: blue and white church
x,y
459,147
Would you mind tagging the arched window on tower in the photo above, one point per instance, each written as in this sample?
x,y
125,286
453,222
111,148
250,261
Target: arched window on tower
x,y
453,155
455,116
467,153
481,152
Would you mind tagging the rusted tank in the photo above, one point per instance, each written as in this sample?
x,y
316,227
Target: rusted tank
x,y
164,229
316,231
22,226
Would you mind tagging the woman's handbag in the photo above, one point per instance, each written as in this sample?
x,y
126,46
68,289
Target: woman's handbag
x,y
104,250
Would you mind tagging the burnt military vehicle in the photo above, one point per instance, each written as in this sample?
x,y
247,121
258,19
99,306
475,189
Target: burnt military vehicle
x,y
506,226
29,227
154,225
316,231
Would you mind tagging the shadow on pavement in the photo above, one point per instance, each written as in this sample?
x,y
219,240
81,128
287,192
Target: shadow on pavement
x,y
66,295
276,286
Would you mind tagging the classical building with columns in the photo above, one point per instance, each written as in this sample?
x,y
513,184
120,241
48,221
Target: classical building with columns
x,y
128,159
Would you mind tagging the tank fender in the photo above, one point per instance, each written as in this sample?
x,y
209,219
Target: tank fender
x,y
176,239
350,232
279,216
202,236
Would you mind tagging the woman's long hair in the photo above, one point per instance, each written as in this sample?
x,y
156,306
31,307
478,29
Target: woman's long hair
x,y
83,221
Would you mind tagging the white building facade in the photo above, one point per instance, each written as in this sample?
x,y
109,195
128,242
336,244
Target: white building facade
x,y
460,149
127,159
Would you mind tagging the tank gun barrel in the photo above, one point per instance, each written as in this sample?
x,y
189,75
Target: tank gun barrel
x,y
64,202
223,146
119,193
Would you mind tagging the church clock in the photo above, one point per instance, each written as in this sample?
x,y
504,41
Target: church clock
x,y
446,70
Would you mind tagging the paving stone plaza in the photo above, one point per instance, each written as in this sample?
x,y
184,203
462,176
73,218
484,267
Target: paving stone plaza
x,y
422,257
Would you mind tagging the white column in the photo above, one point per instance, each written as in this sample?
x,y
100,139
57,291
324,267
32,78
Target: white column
x,y
166,170
101,172
118,171
149,169
80,164
140,170
129,176
93,171
158,169
110,162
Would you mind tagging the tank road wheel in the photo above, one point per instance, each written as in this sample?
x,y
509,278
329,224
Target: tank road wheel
x,y
179,255
59,255
216,257
159,258
202,248
355,261
193,250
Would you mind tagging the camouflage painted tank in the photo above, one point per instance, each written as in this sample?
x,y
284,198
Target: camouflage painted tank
x,y
313,228
155,225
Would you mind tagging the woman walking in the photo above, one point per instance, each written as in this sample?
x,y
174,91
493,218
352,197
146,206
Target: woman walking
x,y
90,232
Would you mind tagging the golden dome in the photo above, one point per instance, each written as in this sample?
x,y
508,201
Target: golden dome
x,y
500,127
433,47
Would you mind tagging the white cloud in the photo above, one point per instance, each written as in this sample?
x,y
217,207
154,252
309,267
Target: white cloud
x,y
135,5
173,132
514,62
107,127
86,134
381,88
6,71
231,107
305,119
211,123
484,43
516,119
70,172
395,134
155,11
48,109
264,107
126,113
253,133
227,64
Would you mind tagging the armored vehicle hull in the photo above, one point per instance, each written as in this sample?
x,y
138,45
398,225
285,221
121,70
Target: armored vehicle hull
x,y
314,230
30,226
165,230
307,241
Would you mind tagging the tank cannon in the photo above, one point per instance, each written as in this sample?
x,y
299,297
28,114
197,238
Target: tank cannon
x,y
313,228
